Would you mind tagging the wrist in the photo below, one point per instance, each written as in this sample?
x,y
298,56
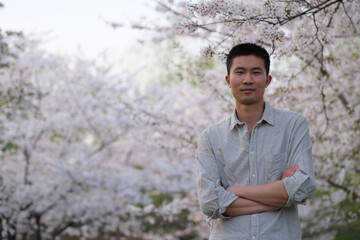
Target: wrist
x,y
236,190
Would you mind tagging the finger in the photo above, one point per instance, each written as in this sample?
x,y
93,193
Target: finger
x,y
286,175
293,168
289,169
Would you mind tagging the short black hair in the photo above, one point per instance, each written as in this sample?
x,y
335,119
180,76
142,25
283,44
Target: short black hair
x,y
245,49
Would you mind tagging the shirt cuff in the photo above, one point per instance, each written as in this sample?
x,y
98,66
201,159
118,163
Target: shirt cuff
x,y
296,188
225,199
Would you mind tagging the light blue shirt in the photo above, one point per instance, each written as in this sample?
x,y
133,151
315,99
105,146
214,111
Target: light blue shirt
x,y
227,156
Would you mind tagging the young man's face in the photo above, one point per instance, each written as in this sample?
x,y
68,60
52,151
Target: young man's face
x,y
247,79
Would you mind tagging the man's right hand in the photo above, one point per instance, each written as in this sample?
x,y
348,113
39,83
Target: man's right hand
x,y
289,172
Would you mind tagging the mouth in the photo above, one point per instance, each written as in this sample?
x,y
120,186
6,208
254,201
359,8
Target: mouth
x,y
247,90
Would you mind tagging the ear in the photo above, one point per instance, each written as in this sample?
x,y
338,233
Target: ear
x,y
268,80
227,78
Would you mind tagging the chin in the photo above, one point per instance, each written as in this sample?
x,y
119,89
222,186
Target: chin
x,y
248,101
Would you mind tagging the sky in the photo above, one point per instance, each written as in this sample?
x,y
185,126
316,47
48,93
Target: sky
x,y
68,25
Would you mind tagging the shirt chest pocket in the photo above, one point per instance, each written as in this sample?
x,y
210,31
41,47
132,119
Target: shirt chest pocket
x,y
275,166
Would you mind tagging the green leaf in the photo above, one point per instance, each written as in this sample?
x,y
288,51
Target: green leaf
x,y
347,235
138,167
159,199
10,146
321,192
55,138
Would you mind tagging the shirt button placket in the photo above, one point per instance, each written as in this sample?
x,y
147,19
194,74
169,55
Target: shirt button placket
x,y
253,171
254,226
252,160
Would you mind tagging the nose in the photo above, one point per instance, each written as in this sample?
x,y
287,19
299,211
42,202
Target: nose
x,y
248,79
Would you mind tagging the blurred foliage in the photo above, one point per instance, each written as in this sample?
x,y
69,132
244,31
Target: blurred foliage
x,y
4,47
347,235
181,66
160,198
162,225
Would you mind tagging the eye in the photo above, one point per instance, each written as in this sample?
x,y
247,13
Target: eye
x,y
239,72
257,73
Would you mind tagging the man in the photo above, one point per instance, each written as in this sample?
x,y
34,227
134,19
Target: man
x,y
255,167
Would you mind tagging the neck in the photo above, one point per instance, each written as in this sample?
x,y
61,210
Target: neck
x,y
250,114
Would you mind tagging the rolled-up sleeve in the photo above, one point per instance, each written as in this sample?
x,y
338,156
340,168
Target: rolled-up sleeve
x,y
213,197
302,185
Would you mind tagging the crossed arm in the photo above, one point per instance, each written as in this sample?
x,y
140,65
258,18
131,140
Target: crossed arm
x,y
259,198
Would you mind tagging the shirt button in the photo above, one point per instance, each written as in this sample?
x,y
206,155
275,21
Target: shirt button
x,y
252,152
253,175
253,237
254,215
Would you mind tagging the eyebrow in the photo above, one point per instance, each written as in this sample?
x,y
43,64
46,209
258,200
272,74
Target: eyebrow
x,y
242,68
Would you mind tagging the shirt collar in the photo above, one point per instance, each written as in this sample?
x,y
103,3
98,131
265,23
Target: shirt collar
x,y
268,116
234,120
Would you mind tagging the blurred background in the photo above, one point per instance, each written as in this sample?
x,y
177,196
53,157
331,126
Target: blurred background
x,y
101,104
68,26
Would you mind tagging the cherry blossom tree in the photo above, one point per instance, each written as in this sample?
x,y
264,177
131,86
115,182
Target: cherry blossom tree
x,y
315,48
84,153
